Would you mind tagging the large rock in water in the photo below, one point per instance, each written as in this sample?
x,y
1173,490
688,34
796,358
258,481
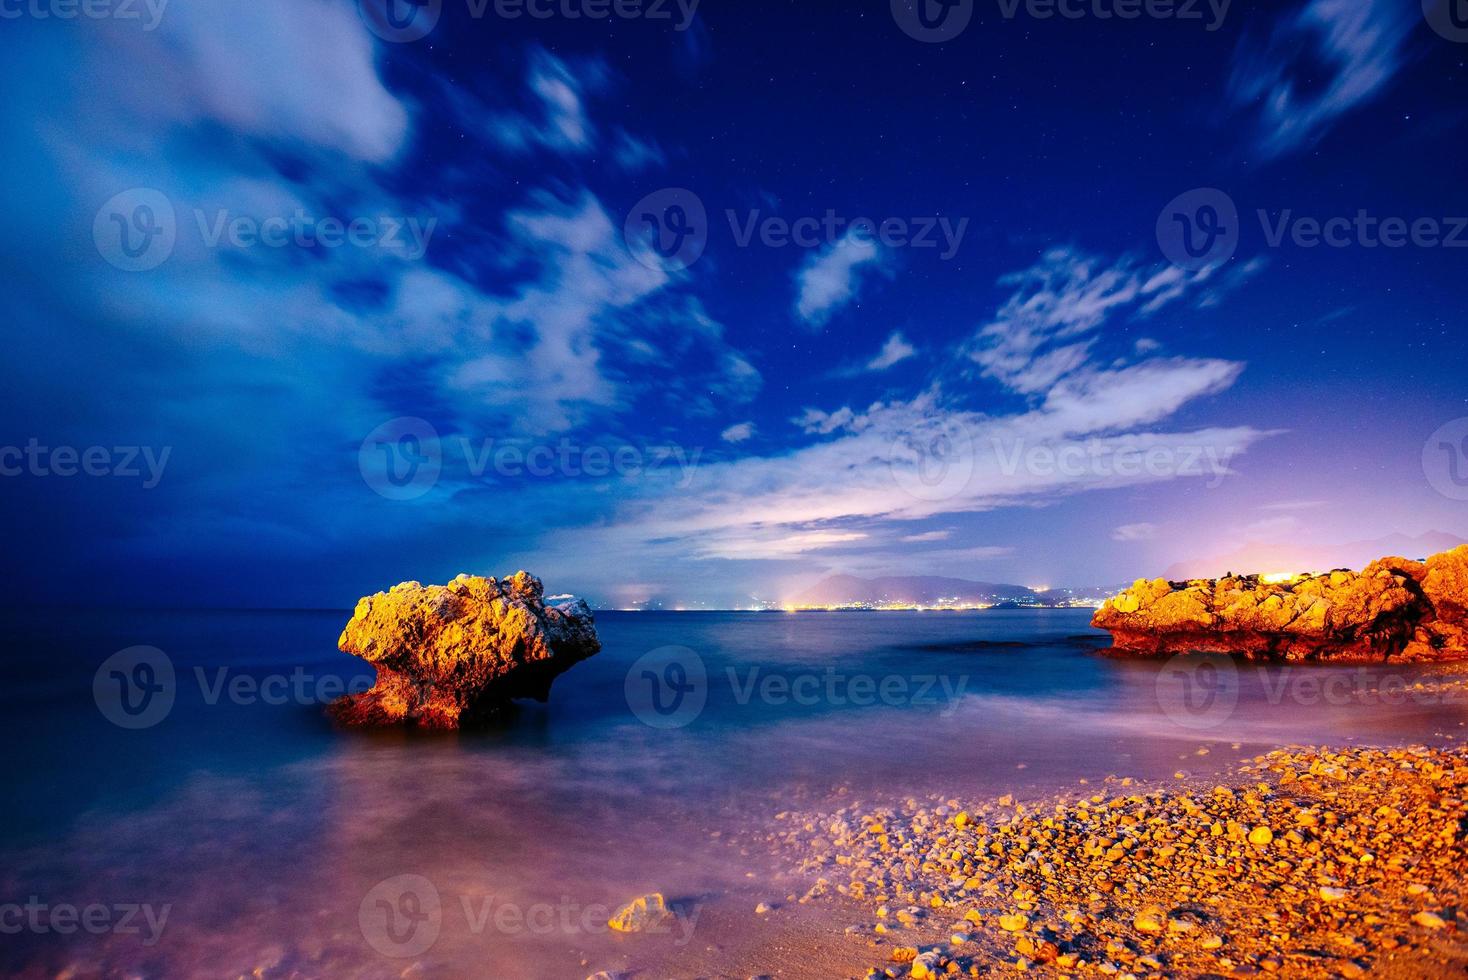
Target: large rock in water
x,y
1393,609
451,655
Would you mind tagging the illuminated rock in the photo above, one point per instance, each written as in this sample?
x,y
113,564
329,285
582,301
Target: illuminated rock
x,y
1393,609
643,913
450,655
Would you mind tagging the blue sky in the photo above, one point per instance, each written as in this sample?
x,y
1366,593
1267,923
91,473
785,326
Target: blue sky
x,y
1007,374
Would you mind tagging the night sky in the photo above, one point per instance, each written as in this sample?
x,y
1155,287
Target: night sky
x,y
564,334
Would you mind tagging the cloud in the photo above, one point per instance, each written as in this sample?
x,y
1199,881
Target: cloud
x,y
1270,529
1293,505
633,154
1043,337
927,455
986,552
776,542
265,368
298,69
831,278
927,536
1135,532
556,119
1321,61
894,351
814,421
738,433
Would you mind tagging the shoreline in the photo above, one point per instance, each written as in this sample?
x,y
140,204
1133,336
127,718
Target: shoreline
x,y
1306,862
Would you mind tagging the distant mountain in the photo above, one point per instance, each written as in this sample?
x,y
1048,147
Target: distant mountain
x,y
910,590
1258,556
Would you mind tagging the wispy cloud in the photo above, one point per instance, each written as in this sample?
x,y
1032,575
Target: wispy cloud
x,y
867,467
1321,61
894,351
547,326
1044,338
925,536
557,118
1293,505
831,278
1269,530
740,432
1142,531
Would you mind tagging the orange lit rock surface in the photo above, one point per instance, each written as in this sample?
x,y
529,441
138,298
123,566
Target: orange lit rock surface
x,y
1393,609
449,655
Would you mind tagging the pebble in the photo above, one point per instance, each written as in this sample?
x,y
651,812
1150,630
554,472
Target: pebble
x,y
1014,923
640,913
1429,920
1174,880
1148,920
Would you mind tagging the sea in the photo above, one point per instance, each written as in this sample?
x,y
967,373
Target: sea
x,y
181,806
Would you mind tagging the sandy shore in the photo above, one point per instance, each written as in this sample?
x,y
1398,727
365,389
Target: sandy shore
x,y
1304,863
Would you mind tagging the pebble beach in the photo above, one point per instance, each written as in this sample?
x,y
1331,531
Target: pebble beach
x,y
1304,863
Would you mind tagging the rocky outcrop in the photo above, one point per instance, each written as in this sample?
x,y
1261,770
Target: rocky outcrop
x,y
1393,609
451,655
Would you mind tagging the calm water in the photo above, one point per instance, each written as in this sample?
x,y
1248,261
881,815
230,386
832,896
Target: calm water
x,y
245,833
